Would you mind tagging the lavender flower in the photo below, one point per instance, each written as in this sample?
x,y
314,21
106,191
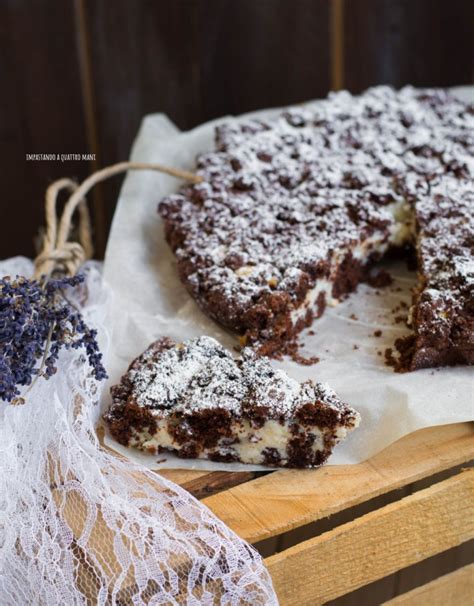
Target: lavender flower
x,y
36,322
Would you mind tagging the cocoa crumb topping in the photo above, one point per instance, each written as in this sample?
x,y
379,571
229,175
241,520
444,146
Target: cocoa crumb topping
x,y
200,375
317,195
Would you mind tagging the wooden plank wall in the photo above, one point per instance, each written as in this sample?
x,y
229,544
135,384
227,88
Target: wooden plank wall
x,y
78,75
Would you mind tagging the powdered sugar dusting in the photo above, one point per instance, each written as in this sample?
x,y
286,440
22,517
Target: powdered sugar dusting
x,y
200,374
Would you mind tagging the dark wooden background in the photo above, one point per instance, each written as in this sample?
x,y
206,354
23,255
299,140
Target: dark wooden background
x,y
78,75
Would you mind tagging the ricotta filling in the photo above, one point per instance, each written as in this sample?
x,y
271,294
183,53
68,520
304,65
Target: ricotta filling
x,y
251,442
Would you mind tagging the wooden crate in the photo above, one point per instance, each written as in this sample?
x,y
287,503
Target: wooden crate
x,y
283,506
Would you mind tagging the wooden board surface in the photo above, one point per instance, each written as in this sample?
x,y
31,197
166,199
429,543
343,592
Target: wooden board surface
x,y
453,589
207,483
41,112
78,75
376,544
384,42
199,60
286,499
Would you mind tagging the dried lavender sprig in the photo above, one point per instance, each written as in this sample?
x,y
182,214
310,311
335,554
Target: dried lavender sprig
x,y
36,322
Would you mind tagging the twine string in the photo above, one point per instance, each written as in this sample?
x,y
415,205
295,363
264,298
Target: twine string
x,y
58,253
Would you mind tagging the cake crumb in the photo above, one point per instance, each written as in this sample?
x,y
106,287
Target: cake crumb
x,y
299,359
405,347
390,359
380,279
291,349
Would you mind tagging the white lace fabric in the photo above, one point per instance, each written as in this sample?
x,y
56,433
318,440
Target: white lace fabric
x,y
80,526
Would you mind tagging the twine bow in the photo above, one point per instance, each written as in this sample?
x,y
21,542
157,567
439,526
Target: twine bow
x,y
58,253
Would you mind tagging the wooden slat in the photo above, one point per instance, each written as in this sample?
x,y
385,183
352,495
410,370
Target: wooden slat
x,y
204,483
41,112
337,44
377,544
454,589
246,50
287,499
143,61
199,60
398,42
415,576
405,580
183,476
216,481
96,199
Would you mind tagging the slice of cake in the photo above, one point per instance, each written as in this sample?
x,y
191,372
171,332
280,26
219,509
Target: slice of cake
x,y
293,211
197,401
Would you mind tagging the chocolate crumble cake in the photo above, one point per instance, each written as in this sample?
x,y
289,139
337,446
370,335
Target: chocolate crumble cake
x,y
196,400
292,213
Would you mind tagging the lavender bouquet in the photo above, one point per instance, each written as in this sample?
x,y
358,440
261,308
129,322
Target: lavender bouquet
x,y
37,320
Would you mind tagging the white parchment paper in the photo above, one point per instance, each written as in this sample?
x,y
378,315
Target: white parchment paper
x,y
149,301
